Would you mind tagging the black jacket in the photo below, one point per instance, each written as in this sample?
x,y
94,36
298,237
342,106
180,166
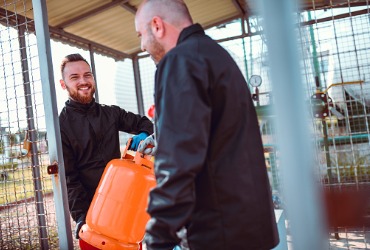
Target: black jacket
x,y
210,166
90,139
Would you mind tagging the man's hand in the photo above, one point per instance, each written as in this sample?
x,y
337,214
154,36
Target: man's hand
x,y
79,224
136,139
148,146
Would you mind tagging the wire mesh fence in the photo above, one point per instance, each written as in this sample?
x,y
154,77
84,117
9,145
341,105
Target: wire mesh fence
x,y
26,211
334,45
341,71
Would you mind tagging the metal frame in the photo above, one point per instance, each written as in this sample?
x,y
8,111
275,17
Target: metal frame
x,y
52,124
139,92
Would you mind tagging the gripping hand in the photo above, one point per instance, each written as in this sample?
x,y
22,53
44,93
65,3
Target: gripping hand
x,y
136,139
148,146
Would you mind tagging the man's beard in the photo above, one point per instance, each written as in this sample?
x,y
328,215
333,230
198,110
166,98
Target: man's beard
x,y
156,49
74,95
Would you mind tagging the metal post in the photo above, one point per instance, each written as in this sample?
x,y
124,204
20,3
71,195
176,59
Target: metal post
x,y
52,123
316,65
300,189
245,52
33,138
92,60
274,171
139,92
315,58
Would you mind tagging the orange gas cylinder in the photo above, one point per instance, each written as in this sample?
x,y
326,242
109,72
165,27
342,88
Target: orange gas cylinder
x,y
117,215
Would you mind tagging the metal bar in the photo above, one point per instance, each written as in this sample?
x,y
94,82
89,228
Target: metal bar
x,y
300,189
257,33
340,16
242,23
129,8
274,171
92,62
245,62
239,8
52,124
340,140
142,56
315,59
343,83
139,92
327,150
333,5
360,138
33,138
248,26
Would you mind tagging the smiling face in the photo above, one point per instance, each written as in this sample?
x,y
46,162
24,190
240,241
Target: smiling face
x,y
79,81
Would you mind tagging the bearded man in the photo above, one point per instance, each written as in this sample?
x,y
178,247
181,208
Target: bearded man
x,y
90,135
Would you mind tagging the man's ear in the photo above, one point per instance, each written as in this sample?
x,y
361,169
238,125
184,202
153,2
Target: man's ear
x,y
63,84
157,27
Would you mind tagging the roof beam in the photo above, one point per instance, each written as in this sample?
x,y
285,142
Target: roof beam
x,y
91,13
129,8
76,41
247,9
336,17
239,7
305,5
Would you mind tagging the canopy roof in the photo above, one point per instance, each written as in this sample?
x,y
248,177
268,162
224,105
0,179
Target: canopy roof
x,y
107,26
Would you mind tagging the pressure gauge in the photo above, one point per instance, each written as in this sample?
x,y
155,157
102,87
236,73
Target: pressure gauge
x,y
255,80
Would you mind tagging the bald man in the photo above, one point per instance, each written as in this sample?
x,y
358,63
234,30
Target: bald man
x,y
210,166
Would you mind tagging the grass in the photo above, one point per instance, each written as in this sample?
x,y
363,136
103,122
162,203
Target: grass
x,y
20,185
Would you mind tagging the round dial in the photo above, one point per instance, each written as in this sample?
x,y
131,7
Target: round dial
x,y
255,80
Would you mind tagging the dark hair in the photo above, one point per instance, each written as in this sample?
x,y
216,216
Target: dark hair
x,y
71,58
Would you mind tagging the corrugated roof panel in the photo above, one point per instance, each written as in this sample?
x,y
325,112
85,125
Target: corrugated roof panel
x,y
135,3
18,7
114,28
216,10
61,11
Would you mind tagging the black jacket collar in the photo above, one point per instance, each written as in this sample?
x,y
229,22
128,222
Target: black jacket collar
x,y
70,104
190,30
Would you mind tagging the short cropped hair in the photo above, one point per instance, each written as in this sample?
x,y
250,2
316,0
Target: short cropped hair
x,y
71,58
173,11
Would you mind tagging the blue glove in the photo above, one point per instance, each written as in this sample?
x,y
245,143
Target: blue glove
x,y
148,146
136,139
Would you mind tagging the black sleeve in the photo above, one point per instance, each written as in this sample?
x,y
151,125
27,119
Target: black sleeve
x,y
133,123
183,113
78,200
